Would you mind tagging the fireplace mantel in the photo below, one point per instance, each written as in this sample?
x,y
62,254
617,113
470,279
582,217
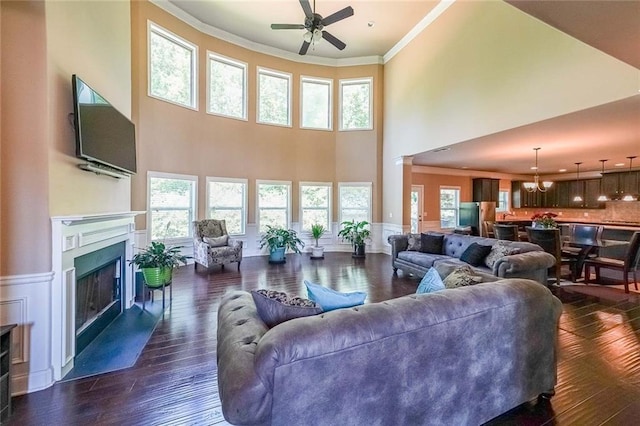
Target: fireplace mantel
x,y
74,236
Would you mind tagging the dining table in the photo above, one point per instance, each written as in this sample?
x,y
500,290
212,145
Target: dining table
x,y
588,246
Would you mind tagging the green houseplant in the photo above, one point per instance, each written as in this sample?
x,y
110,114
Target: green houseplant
x,y
317,231
157,262
357,233
279,240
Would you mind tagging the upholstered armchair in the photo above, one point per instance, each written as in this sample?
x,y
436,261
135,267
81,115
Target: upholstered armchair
x,y
212,245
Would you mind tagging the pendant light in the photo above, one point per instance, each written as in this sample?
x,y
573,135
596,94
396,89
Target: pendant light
x,y
630,197
578,197
602,197
535,185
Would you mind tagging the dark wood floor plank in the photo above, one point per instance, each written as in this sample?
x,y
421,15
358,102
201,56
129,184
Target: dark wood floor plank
x,y
174,381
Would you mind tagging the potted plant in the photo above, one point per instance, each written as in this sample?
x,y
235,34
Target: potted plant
x,y
317,231
279,240
156,263
357,233
544,220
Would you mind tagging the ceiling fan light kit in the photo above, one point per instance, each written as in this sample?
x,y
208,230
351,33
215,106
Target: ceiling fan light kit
x,y
314,23
535,185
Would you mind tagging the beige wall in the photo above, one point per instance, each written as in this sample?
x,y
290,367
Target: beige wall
x,y
484,67
432,184
178,140
43,43
25,214
93,40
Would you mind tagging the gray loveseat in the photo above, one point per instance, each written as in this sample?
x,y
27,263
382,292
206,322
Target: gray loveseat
x,y
531,262
454,357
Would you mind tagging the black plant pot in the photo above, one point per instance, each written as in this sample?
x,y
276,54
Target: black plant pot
x,y
358,250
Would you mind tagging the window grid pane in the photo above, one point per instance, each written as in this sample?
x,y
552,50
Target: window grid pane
x,y
355,203
227,202
316,104
227,87
273,205
273,99
314,201
172,210
171,69
449,204
356,105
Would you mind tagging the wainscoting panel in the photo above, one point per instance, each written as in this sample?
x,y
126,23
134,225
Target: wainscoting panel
x,y
25,301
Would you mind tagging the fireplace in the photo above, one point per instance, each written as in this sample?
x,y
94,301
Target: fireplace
x,y
98,292
92,283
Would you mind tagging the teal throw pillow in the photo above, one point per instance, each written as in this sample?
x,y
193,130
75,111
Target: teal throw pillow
x,y
330,299
430,282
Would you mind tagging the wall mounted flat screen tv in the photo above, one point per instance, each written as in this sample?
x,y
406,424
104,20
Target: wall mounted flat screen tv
x,y
103,134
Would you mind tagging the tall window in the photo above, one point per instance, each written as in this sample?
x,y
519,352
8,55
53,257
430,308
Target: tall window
x,y
227,200
316,103
356,104
172,67
315,205
227,94
274,204
355,201
172,205
503,201
449,205
274,97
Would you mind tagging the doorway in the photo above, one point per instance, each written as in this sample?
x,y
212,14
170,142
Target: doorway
x,y
417,208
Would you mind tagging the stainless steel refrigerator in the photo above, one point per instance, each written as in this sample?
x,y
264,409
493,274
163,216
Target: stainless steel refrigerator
x,y
474,214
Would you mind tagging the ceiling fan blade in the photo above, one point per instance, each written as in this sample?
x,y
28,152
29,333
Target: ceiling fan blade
x,y
333,40
307,8
338,16
304,48
287,27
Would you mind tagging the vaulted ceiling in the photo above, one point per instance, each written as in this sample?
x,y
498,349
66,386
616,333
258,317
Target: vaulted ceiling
x,y
610,131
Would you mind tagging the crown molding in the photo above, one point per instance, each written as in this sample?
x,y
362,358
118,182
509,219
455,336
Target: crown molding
x,y
420,26
172,9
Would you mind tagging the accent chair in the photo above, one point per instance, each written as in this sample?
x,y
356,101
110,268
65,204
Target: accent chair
x,y
212,244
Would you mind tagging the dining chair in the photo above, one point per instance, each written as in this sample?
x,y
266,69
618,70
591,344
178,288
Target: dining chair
x,y
630,263
488,228
582,231
506,232
550,241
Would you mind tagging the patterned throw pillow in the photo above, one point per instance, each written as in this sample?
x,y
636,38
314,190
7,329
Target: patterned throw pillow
x,y
275,307
430,282
462,276
499,249
413,242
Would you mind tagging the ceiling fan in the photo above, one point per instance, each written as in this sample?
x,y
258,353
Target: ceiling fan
x,y
314,24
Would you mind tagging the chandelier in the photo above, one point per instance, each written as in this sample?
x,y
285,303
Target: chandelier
x,y
535,185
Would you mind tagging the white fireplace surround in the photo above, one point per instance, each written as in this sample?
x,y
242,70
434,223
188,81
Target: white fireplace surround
x,y
72,237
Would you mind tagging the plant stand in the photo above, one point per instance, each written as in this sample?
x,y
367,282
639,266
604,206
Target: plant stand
x,y
156,279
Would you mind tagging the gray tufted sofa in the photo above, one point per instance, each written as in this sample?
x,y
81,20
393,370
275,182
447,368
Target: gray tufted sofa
x,y
532,262
455,357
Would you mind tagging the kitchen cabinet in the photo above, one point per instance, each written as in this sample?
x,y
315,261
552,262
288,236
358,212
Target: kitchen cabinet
x,y
591,194
485,189
563,194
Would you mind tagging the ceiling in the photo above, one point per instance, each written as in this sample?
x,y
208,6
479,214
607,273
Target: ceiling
x,y
611,131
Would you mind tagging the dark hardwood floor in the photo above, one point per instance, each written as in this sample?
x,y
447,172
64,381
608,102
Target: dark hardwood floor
x,y
174,380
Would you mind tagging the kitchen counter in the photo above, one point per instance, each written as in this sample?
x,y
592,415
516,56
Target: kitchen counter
x,y
523,221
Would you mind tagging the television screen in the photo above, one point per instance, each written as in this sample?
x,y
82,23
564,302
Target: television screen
x,y
103,134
